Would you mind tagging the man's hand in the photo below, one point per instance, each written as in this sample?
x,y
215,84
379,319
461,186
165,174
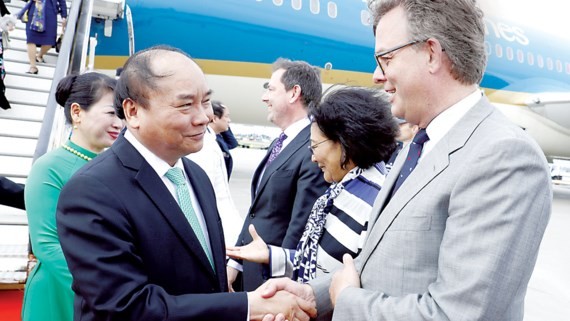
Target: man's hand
x,y
232,275
256,251
303,292
344,278
281,305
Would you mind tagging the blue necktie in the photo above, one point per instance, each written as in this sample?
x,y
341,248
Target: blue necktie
x,y
176,176
276,148
412,158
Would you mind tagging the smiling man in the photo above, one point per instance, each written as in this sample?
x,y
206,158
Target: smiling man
x,y
286,183
139,226
456,228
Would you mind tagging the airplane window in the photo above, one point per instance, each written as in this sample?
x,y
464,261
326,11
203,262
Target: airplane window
x,y
331,8
365,17
498,50
549,63
488,49
530,58
558,65
510,53
315,6
540,61
520,56
568,68
278,2
296,4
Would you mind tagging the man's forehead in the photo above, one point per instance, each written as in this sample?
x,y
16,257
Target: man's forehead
x,y
276,77
391,30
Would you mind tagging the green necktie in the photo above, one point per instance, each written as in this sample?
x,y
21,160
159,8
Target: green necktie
x,y
176,176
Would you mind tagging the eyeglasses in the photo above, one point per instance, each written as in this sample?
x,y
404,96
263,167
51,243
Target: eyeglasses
x,y
314,146
381,58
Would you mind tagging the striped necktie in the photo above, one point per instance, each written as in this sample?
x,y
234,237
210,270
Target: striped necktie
x,y
176,176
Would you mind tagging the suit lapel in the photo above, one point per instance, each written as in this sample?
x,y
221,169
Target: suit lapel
x,y
211,217
300,141
257,174
158,193
430,167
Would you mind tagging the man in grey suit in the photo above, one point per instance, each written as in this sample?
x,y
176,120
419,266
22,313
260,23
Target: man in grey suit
x,y
459,239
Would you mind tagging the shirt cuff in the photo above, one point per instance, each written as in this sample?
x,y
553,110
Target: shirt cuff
x,y
277,264
234,264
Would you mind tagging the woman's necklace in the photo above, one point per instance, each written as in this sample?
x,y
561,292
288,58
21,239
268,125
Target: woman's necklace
x,y
76,152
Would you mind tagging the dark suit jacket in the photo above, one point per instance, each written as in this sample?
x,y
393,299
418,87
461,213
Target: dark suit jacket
x,y
11,194
226,140
131,251
279,210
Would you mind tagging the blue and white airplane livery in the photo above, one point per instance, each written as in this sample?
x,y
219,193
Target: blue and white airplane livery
x,y
235,42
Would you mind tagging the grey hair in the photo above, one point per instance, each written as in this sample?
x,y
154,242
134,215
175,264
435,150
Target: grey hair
x,y
457,24
303,74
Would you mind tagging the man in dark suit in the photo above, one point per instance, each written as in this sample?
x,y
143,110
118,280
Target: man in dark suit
x,y
286,184
141,242
11,194
224,135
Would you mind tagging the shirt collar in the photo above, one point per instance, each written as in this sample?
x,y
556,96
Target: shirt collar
x,y
294,129
159,165
443,123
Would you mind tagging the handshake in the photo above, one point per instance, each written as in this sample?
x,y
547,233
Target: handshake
x,y
282,299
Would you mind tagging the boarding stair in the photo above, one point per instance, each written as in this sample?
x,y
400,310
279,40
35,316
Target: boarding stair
x,y
33,124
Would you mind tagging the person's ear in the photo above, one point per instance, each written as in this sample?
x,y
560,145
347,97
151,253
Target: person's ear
x,y
436,55
295,94
76,114
131,110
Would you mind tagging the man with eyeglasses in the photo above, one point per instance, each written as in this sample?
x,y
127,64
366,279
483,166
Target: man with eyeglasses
x,y
458,238
286,183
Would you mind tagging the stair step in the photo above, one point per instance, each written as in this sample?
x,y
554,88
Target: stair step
x,y
15,166
20,79
28,97
17,147
24,136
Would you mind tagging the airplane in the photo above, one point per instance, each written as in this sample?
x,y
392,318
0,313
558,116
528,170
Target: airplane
x,y
235,42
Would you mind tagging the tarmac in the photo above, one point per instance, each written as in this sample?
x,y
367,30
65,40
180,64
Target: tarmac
x,y
548,295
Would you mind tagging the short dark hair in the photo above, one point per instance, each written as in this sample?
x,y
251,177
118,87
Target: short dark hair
x,y
138,78
306,76
361,121
218,108
85,90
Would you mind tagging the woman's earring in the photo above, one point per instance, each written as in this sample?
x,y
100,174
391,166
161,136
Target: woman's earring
x,y
74,126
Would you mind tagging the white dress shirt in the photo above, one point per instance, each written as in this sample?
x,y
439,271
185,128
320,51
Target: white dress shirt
x,y
443,122
161,167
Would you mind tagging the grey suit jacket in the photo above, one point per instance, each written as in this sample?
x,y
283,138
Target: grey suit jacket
x,y
459,239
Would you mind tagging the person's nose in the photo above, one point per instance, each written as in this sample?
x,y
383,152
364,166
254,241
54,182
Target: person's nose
x,y
378,77
204,116
264,97
117,123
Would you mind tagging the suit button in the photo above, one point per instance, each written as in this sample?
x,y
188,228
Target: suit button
x,y
252,215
